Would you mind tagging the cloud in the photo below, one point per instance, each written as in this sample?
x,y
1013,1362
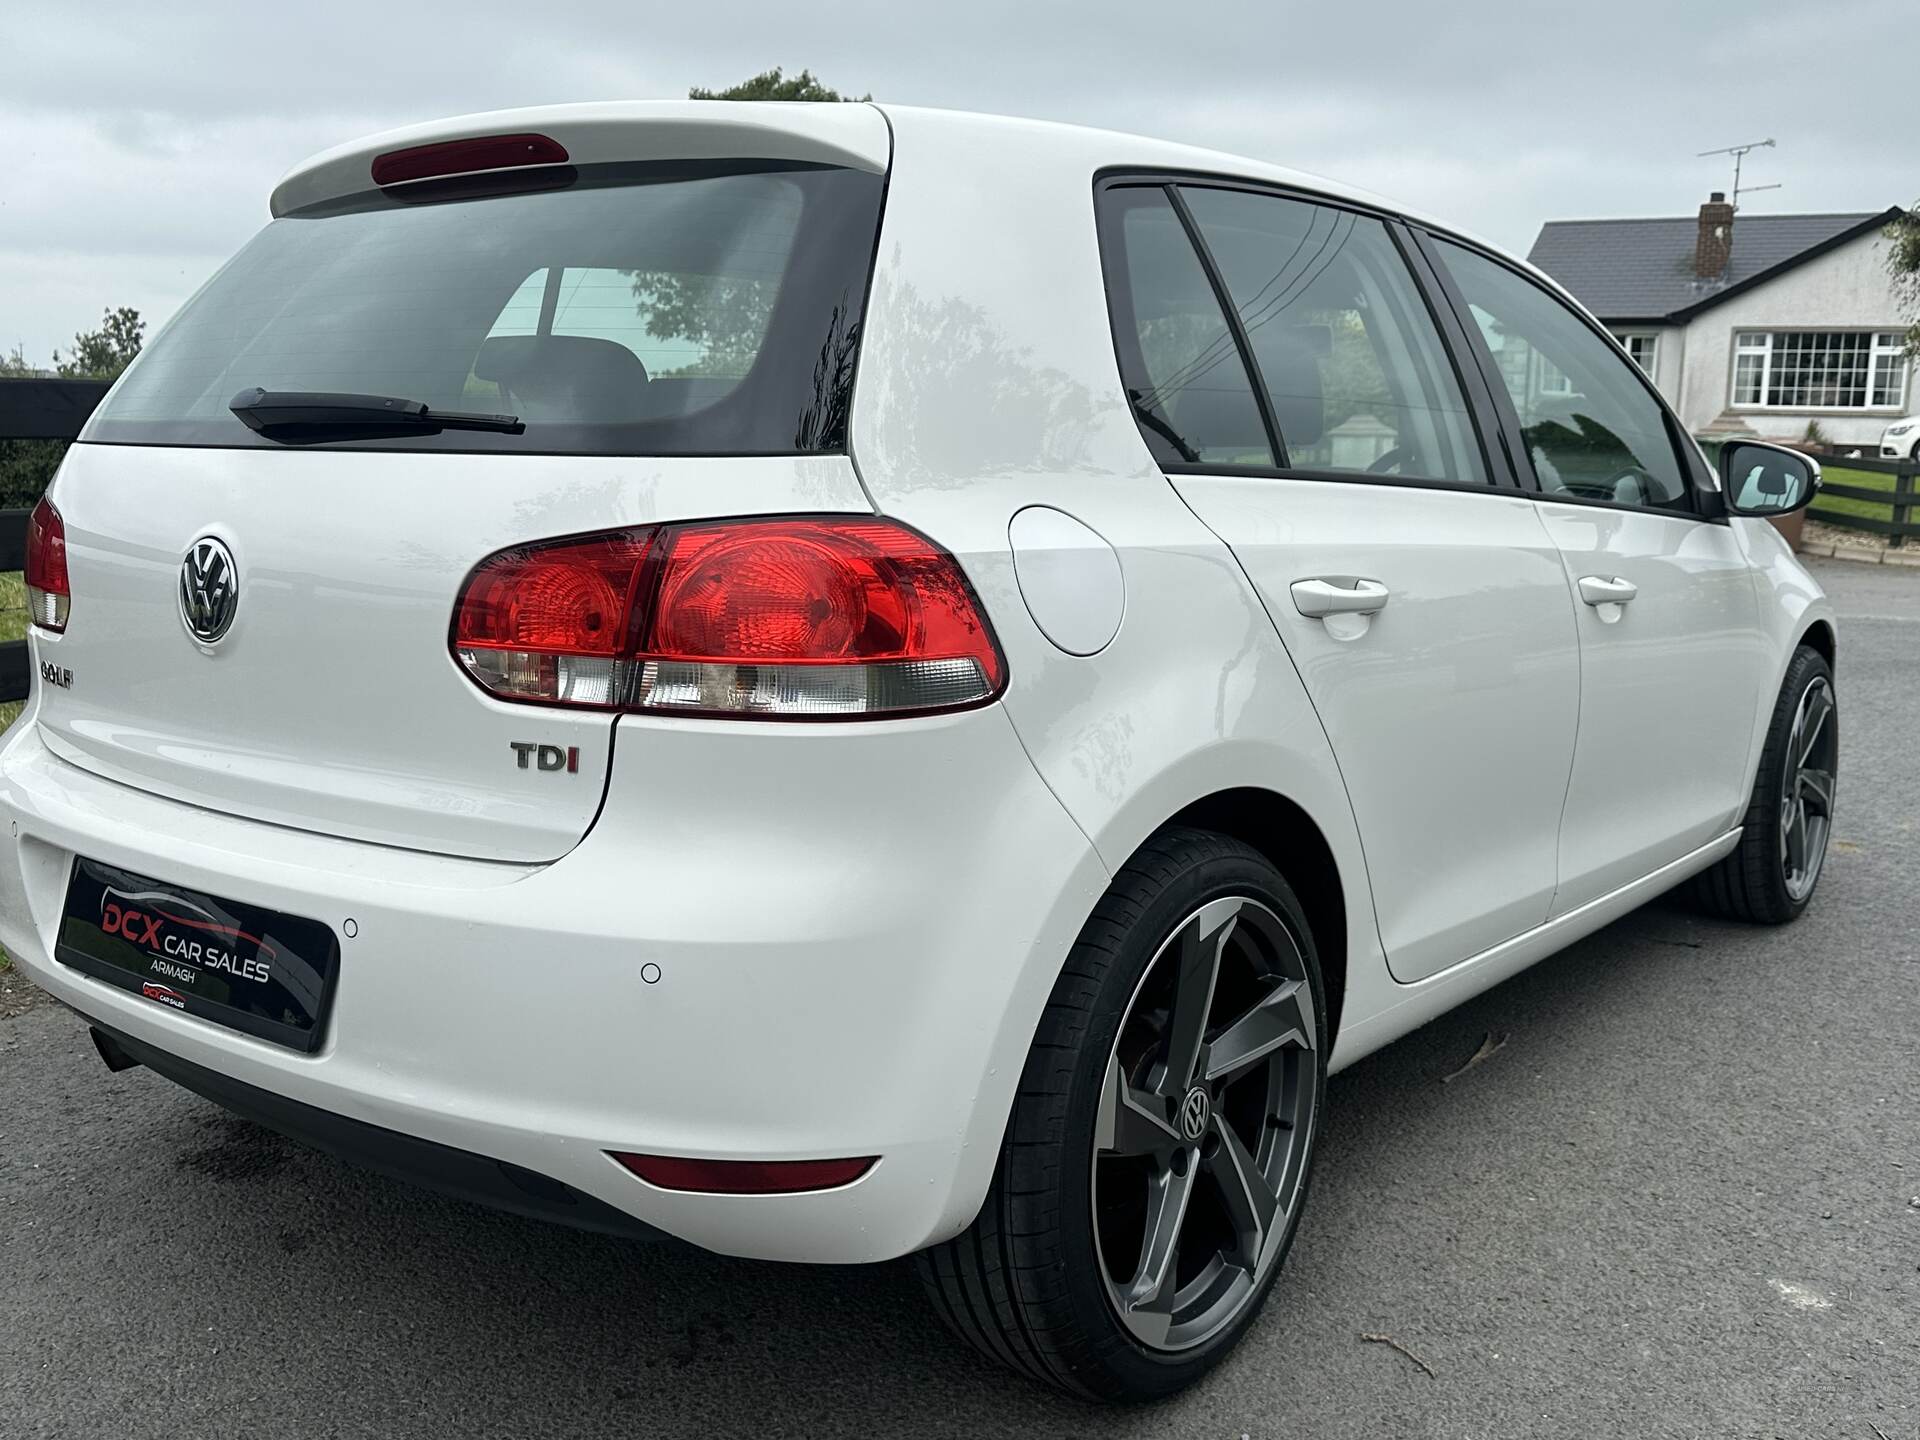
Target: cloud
x,y
142,140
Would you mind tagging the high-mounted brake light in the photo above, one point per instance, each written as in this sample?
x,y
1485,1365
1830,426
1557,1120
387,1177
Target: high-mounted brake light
x,y
464,157
812,617
48,594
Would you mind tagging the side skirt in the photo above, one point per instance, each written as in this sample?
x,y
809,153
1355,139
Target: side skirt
x,y
1410,1006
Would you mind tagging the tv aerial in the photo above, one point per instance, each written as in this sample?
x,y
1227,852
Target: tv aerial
x,y
1739,154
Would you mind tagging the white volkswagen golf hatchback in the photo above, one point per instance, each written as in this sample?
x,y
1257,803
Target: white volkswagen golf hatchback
x,y
838,682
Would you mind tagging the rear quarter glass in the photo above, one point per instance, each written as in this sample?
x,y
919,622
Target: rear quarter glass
x,y
656,309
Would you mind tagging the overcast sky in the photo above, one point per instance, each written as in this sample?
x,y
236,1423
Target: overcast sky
x,y
138,141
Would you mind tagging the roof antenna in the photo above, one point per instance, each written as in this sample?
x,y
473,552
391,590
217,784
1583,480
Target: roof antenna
x,y
1739,153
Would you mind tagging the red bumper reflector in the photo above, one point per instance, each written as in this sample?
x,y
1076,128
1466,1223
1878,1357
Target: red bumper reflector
x,y
463,157
744,1177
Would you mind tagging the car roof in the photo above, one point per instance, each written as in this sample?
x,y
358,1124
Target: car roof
x,y
733,127
860,134
1105,149
1096,149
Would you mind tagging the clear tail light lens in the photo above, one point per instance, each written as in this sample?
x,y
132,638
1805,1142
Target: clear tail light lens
x,y
821,617
48,594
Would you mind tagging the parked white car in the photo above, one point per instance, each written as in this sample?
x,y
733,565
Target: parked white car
x,y
840,681
1901,440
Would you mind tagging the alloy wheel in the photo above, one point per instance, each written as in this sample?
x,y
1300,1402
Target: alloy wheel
x,y
1807,786
1205,1124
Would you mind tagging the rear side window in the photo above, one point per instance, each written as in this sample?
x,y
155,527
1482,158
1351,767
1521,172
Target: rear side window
x,y
1328,361
652,309
1352,362
1592,430
1184,375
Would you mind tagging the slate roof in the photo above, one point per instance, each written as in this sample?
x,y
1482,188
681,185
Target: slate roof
x,y
1643,269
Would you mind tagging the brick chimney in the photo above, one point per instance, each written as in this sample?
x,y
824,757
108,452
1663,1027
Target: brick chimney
x,y
1715,243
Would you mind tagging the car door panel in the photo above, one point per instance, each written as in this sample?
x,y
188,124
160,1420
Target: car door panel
x,y
1289,372
1672,654
1669,681
1451,711
1426,610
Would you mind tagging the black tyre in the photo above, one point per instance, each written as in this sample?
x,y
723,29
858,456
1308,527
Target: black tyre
x,y
1156,1161
1771,874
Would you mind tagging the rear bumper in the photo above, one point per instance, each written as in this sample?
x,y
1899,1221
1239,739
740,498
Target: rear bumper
x,y
778,942
458,1173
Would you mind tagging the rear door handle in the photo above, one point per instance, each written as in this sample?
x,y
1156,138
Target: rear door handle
x,y
1317,599
1607,590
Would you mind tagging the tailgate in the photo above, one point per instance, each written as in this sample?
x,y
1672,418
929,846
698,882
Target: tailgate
x,y
333,702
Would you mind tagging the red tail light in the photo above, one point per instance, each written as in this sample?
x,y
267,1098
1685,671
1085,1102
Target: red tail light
x,y
48,595
820,617
744,1177
463,157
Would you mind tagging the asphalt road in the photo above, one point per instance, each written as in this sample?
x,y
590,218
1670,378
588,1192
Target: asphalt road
x,y
1675,1203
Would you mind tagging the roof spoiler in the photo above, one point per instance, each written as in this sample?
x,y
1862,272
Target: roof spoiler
x,y
850,134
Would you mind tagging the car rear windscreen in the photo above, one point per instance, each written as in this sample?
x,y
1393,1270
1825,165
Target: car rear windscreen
x,y
643,309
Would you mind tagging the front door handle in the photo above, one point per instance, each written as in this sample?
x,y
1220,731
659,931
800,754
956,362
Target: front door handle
x,y
1317,599
1607,590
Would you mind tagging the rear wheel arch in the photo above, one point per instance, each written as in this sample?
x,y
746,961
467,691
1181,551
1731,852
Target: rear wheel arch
x,y
1286,835
1028,1282
1295,845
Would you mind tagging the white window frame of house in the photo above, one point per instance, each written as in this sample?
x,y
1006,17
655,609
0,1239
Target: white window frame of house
x,y
1548,378
1642,347
1750,382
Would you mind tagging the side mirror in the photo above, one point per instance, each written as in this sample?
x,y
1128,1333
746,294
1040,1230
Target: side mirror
x,y
1762,479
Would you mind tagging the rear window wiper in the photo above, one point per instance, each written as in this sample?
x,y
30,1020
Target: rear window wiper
x,y
307,410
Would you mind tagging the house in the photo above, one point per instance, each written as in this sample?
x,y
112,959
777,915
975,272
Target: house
x,y
1758,324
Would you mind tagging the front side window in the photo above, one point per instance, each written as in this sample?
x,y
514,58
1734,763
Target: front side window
x,y
1592,429
1820,369
652,309
1354,367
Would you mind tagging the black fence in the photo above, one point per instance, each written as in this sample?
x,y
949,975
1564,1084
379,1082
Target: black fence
x,y
1899,500
34,410
56,409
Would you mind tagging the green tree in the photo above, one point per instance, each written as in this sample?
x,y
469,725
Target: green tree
x,y
774,85
1903,259
725,314
102,354
25,468
27,465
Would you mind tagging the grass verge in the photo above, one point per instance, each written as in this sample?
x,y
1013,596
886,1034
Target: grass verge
x,y
13,626
1865,480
